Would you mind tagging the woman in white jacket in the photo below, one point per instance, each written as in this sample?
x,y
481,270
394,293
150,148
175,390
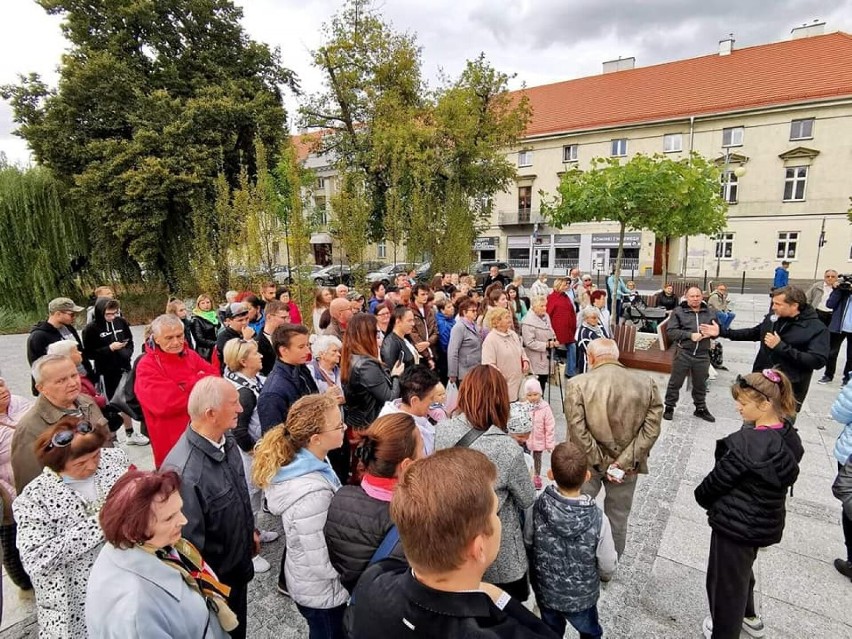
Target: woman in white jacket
x,y
290,465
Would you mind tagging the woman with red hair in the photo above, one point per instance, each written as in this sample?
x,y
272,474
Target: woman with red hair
x,y
147,580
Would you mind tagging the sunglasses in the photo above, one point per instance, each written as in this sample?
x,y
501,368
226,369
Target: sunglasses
x,y
64,437
743,383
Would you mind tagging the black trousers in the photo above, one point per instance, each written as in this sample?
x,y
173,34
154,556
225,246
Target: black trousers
x,y
238,602
519,589
835,342
12,557
730,585
847,528
696,366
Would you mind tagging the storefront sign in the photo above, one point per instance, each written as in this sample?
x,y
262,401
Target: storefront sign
x,y
485,243
611,239
567,239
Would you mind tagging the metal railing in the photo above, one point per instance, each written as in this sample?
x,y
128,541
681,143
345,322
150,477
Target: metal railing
x,y
519,217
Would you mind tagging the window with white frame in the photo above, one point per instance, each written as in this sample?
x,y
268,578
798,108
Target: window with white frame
x,y
725,246
618,148
788,241
320,183
730,187
525,158
802,129
795,180
382,250
732,136
569,153
672,142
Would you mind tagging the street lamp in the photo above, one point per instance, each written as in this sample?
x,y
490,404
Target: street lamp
x,y
726,184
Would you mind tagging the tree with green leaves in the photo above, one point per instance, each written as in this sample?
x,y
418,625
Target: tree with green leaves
x,y
155,99
647,192
421,155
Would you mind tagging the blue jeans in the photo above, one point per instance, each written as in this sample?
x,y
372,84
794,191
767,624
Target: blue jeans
x,y
324,623
585,622
725,318
570,351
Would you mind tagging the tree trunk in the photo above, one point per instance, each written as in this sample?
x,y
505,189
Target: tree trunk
x,y
613,303
665,275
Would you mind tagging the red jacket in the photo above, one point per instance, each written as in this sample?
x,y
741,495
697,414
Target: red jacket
x,y
562,317
163,383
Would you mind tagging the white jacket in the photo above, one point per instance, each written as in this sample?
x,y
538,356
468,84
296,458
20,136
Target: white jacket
x,y
59,541
302,502
540,289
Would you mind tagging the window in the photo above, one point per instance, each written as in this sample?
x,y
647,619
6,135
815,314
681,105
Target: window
x,y
795,179
519,257
524,158
321,211
382,250
802,129
320,183
730,187
524,203
787,243
725,246
672,142
569,153
732,136
619,148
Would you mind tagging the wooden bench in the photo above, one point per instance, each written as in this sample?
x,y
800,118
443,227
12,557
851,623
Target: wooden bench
x,y
655,358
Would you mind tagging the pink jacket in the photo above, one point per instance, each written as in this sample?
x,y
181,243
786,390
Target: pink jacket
x,y
544,426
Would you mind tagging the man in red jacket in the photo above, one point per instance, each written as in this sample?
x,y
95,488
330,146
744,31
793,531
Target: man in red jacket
x,y
165,377
563,317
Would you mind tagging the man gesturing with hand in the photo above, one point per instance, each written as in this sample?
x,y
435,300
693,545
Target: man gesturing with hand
x,y
792,339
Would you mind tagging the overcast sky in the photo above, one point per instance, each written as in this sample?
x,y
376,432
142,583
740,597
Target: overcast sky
x,y
541,41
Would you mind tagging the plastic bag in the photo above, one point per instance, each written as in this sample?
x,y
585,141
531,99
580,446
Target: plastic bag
x,y
452,398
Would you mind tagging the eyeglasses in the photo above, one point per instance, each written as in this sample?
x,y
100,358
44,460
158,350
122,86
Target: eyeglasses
x,y
743,383
340,426
64,437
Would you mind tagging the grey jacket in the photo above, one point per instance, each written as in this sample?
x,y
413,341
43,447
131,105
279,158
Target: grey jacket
x,y
464,351
514,488
302,502
535,332
842,487
132,594
572,549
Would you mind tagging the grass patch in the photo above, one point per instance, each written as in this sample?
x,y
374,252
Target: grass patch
x,y
13,322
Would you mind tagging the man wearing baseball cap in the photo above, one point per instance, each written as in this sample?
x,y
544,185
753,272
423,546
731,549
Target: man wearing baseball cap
x,y
236,326
59,325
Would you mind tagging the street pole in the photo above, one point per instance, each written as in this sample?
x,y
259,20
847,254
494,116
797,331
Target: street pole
x,y
819,247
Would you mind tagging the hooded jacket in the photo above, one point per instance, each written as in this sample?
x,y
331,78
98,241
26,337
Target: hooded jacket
x,y
99,334
745,493
285,384
841,411
42,335
803,348
572,547
684,321
300,493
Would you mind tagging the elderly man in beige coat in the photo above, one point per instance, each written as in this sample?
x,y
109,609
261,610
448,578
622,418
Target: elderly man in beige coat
x,y
613,415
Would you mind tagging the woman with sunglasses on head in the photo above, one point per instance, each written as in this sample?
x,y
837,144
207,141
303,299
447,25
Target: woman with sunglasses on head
x,y
744,496
57,513
291,466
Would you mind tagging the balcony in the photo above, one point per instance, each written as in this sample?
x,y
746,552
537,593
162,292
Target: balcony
x,y
519,217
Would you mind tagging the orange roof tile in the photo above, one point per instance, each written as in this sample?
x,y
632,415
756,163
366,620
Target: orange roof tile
x,y
799,70
305,144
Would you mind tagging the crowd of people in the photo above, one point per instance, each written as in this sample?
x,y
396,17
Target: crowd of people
x,y
400,438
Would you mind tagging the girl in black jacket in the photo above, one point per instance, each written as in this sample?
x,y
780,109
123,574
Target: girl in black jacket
x,y
745,496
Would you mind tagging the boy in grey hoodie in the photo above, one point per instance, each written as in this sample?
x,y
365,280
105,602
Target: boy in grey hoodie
x,y
573,548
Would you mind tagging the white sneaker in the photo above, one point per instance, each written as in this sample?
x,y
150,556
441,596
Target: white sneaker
x,y
137,439
707,627
260,564
267,536
752,626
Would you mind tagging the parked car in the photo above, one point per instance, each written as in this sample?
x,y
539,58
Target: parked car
x,y
387,274
333,275
480,270
282,273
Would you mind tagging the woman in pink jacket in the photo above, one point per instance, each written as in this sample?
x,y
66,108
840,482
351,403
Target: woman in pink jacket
x,y
542,435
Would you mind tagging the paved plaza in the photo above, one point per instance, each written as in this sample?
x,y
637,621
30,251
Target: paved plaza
x,y
659,588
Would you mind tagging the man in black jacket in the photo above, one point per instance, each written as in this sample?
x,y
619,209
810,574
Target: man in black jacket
x,y
59,325
792,339
445,509
692,354
213,487
236,317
